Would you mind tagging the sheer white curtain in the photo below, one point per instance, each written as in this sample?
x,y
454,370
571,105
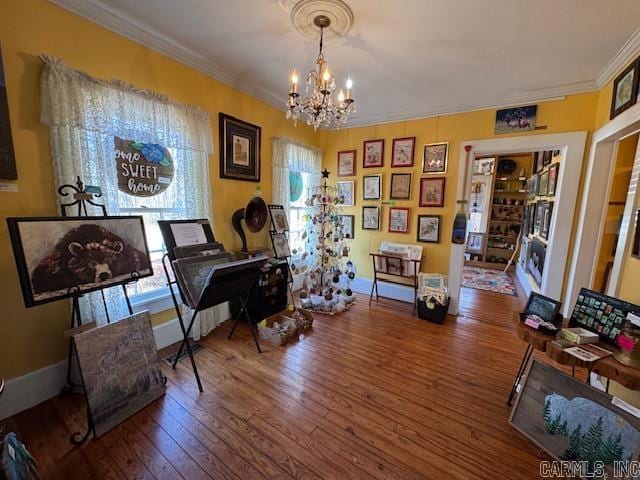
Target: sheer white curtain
x,y
290,156
84,114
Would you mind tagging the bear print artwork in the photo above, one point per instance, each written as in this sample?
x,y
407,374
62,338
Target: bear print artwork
x,y
61,256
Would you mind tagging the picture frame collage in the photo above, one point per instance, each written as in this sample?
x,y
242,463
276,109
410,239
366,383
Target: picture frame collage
x,y
431,187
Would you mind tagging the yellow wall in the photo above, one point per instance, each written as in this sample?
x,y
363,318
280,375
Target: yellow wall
x,y
575,113
32,338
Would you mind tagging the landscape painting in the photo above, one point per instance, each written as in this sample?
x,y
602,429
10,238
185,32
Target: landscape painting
x,y
120,370
519,119
574,421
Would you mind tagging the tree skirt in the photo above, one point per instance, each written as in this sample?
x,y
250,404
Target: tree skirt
x,y
490,280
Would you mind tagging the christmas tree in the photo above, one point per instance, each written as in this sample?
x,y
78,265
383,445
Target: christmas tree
x,y
326,285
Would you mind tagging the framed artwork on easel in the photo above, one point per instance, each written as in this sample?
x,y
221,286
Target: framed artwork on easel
x,y
279,222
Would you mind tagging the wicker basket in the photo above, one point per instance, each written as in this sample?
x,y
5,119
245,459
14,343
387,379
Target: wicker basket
x,y
279,328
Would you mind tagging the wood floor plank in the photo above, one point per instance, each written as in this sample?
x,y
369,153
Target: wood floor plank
x,y
371,393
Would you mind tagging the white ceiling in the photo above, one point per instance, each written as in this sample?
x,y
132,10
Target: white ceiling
x,y
408,58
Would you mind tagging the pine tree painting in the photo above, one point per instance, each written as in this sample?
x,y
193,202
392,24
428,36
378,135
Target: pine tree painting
x,y
594,432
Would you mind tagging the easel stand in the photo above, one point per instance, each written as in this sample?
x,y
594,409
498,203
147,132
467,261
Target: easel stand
x,y
272,233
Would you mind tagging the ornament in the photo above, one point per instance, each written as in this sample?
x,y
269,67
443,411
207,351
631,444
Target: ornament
x,y
338,292
336,278
349,264
304,235
294,251
351,275
348,292
304,294
328,296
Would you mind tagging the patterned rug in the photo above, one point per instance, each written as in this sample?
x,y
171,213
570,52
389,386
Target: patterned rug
x,y
491,280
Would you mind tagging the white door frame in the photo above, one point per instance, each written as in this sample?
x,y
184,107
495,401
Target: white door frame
x,y
573,145
592,216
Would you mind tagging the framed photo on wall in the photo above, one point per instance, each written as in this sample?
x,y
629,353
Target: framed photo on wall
x,y
543,183
400,186
239,149
8,169
434,158
372,187
518,119
348,223
398,220
625,89
635,249
475,242
545,227
429,228
370,218
553,179
403,151
347,163
346,189
373,153
432,192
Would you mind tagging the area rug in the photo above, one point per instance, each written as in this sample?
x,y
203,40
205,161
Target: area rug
x,y
490,280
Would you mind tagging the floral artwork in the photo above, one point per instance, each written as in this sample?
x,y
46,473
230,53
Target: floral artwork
x,y
399,220
402,152
432,192
435,157
429,228
372,187
347,163
373,153
346,192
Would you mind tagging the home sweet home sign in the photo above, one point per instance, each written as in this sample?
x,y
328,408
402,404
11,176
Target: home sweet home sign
x,y
143,169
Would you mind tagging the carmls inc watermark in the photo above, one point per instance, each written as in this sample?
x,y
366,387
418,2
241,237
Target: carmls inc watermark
x,y
596,470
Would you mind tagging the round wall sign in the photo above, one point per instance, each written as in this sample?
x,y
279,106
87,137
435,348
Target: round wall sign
x,y
143,169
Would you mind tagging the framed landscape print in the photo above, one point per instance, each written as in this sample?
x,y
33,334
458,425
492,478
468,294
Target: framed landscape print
x,y
279,221
370,218
625,89
59,256
348,223
402,152
239,149
518,119
347,163
429,228
434,158
346,190
373,153
400,186
372,187
432,192
398,220
553,179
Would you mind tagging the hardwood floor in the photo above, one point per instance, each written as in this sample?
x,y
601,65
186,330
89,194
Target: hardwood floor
x,y
372,393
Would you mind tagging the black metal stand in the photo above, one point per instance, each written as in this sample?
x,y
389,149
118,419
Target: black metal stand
x,y
245,300
272,233
521,370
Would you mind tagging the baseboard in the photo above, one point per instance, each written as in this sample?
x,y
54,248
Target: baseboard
x,y
35,387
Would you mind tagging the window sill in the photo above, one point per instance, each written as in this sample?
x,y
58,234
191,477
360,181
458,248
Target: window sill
x,y
156,301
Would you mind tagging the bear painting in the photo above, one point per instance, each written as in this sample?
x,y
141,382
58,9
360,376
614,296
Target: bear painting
x,y
61,257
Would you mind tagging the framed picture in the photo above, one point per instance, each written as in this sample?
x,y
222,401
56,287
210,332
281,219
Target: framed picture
x,y
400,186
535,264
545,307
348,224
370,218
373,153
279,222
403,151
8,170
434,158
431,280
372,187
429,228
635,249
532,186
127,347
546,158
185,232
58,257
475,242
539,213
346,190
533,207
193,272
553,179
543,183
571,420
394,265
484,166
347,163
625,90
545,225
239,149
432,192
519,119
281,245
398,220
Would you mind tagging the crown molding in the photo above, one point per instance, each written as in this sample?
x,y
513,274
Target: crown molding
x,y
625,55
98,13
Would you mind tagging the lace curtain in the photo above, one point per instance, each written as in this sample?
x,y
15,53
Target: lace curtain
x,y
84,114
289,156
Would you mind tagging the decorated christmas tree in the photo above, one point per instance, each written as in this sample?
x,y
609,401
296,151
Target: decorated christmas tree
x,y
329,272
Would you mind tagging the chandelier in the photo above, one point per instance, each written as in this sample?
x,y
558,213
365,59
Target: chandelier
x,y
319,107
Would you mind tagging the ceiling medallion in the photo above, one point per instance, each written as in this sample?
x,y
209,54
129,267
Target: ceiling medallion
x,y
319,107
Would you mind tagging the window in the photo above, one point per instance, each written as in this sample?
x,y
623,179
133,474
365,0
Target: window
x,y
297,211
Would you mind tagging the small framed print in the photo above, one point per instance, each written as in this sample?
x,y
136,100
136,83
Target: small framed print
x,y
429,228
239,149
394,265
398,220
625,90
370,218
372,187
373,153
400,186
281,245
432,192
434,158
347,163
279,223
543,183
475,242
545,226
402,152
346,191
347,222
553,179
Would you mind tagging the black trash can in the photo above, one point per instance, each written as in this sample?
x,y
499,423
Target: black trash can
x,y
437,314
